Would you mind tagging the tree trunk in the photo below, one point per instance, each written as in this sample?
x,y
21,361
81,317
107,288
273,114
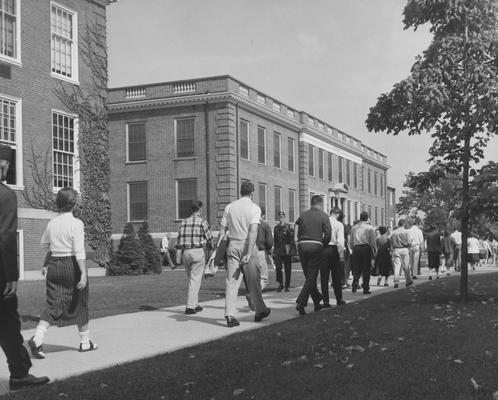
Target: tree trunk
x,y
464,277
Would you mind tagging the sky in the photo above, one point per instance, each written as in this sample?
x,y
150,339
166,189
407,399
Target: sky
x,y
330,58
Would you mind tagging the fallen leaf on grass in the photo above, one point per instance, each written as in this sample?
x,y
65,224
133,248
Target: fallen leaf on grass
x,y
349,366
477,387
320,366
495,396
278,334
343,360
489,354
191,356
287,363
457,361
401,339
189,383
303,358
236,392
104,385
371,345
63,395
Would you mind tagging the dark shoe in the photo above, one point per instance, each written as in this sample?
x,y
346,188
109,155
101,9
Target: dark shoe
x,y
36,351
341,303
300,308
409,284
232,321
318,307
379,280
190,311
414,277
92,347
430,277
280,287
396,285
259,316
354,288
367,292
198,309
326,305
287,288
249,303
386,284
27,381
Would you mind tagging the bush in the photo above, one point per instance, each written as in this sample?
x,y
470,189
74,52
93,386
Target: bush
x,y
130,257
152,255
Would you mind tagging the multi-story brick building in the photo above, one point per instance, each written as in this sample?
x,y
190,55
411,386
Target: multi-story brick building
x,y
177,141
40,46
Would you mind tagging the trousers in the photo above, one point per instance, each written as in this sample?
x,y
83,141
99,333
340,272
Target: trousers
x,y
401,259
311,256
194,261
362,258
11,339
414,259
235,275
331,265
286,261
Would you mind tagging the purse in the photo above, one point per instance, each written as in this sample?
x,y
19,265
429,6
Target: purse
x,y
220,255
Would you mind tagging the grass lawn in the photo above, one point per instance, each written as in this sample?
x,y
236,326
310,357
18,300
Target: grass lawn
x,y
418,343
124,294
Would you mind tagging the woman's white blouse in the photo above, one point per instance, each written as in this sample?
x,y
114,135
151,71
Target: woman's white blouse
x,y
65,236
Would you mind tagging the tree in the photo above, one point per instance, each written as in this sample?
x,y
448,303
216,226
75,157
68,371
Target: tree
x,y
152,255
450,92
130,258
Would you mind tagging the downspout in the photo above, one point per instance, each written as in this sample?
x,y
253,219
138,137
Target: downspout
x,y
208,158
237,161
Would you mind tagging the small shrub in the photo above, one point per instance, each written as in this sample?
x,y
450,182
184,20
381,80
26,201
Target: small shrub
x,y
152,255
130,258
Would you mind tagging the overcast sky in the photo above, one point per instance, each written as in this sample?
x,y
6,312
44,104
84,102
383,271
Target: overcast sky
x,y
330,58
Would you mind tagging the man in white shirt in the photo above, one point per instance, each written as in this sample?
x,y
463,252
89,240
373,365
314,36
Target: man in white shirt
x,y
416,246
331,261
241,219
456,240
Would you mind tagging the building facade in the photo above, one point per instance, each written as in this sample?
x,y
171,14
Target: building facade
x,y
40,49
199,139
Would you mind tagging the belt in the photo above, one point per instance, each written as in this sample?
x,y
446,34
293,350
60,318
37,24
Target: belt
x,y
402,247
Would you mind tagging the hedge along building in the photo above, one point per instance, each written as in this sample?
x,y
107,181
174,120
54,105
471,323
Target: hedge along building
x,y
41,44
199,139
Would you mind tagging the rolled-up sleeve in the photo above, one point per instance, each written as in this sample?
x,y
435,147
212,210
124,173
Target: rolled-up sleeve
x,y
79,240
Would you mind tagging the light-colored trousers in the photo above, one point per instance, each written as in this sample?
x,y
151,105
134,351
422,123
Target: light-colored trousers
x,y
194,261
263,268
414,252
401,259
234,278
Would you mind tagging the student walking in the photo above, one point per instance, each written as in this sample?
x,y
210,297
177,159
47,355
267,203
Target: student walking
x,y
434,248
383,260
401,257
194,238
282,251
66,275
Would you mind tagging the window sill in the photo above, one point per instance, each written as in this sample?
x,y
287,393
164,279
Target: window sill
x,y
65,79
141,221
135,162
15,187
12,61
185,158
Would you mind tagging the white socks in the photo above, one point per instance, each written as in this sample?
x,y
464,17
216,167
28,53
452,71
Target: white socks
x,y
85,339
39,335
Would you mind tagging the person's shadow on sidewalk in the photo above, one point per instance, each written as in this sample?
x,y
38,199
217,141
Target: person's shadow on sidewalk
x,y
181,317
52,348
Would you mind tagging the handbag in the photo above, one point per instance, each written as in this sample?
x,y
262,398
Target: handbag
x,y
210,268
220,255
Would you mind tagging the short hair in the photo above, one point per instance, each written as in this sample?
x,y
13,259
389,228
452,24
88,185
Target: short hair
x,y
364,216
246,188
66,199
335,210
263,211
401,222
340,216
382,230
316,199
196,205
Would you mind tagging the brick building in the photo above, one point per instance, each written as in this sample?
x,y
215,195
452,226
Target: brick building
x,y
40,47
177,141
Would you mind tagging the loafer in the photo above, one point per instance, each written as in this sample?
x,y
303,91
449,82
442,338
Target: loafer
x,y
92,347
318,307
354,287
190,311
430,277
232,321
326,305
259,316
300,309
341,302
367,292
279,289
396,285
36,351
198,309
27,381
287,289
414,277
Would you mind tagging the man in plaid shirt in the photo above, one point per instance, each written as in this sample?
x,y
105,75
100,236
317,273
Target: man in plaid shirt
x,y
193,237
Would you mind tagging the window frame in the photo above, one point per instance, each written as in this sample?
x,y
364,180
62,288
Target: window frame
x,y
348,172
74,45
76,162
330,167
369,180
275,211
128,204
176,137
311,160
177,200
277,154
293,153
341,169
128,161
376,184
321,164
243,121
265,187
292,195
263,130
355,175
19,185
17,39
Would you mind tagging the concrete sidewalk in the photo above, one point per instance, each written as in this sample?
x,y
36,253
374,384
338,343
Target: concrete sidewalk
x,y
129,337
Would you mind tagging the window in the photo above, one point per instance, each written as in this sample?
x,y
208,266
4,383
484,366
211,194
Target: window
x,y
186,192
349,211
276,150
262,191
362,179
261,145
277,201
340,169
348,172
290,155
369,179
64,147
382,186
10,134
292,205
137,201
376,215
355,175
356,210
320,163
329,166
10,33
184,135
135,142
311,160
370,212
244,140
375,183
64,44
382,216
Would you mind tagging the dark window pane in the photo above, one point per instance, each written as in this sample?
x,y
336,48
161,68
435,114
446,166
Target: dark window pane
x,y
185,131
276,150
261,145
244,140
187,192
138,201
290,153
136,142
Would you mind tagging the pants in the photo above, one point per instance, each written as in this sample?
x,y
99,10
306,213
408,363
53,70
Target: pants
x,y
414,252
457,257
310,255
168,258
287,263
234,277
345,269
194,261
401,259
434,260
448,260
362,256
11,339
263,268
331,264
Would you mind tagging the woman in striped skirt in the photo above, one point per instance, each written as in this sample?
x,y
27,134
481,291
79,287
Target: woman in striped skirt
x,y
67,279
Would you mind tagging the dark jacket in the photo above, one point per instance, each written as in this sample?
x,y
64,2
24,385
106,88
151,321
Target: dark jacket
x,y
264,241
9,271
283,235
433,242
314,224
